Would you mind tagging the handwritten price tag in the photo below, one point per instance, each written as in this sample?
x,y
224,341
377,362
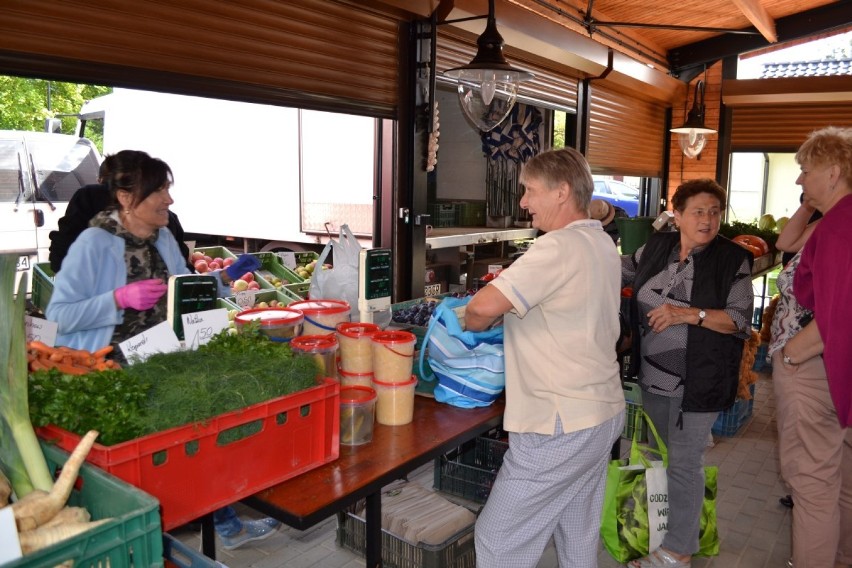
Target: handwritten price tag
x,y
200,327
245,298
159,339
41,330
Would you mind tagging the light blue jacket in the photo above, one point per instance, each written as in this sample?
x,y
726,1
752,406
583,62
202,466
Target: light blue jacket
x,y
82,303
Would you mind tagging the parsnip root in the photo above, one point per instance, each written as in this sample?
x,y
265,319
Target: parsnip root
x,y
35,510
42,537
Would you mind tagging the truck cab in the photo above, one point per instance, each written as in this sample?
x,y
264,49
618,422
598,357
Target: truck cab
x,y
39,172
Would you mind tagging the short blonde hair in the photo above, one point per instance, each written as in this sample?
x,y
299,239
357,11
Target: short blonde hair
x,y
829,146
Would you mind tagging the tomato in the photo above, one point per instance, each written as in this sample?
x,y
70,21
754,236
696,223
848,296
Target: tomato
x,y
753,243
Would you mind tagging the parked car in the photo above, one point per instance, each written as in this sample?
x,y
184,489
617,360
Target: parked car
x,y
619,194
39,172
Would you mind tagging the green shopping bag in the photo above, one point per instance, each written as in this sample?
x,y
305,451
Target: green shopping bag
x,y
630,519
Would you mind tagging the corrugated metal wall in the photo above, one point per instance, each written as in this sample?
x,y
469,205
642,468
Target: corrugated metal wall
x,y
626,134
281,50
783,127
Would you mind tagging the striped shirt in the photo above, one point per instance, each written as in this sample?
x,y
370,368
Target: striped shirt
x,y
664,354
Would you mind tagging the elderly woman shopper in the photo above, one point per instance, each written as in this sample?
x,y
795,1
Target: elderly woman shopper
x,y
812,360
692,305
564,402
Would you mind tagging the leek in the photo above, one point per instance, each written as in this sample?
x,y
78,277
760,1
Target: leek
x,y
19,447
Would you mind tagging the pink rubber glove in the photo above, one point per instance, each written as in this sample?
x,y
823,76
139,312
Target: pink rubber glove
x,y
142,295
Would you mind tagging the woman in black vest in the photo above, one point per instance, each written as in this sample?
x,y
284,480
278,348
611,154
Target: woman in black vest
x,y
692,307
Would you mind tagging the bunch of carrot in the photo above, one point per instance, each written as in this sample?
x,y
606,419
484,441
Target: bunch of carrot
x,y
42,517
41,356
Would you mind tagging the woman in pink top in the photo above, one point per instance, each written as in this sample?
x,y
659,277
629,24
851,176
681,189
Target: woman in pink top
x,y
812,360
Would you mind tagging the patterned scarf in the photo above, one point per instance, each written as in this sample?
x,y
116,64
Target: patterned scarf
x,y
143,261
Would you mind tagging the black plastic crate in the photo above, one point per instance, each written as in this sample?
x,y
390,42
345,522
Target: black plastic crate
x,y
458,551
470,470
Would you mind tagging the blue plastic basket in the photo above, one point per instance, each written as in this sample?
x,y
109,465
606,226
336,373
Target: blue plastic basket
x,y
730,421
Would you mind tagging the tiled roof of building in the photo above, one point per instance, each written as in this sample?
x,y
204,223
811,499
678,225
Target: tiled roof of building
x,y
807,69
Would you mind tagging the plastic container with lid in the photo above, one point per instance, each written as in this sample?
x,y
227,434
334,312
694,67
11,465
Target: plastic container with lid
x,y
322,316
393,355
322,349
357,415
356,347
279,324
395,401
352,379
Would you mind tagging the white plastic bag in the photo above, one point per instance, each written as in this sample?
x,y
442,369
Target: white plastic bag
x,y
341,281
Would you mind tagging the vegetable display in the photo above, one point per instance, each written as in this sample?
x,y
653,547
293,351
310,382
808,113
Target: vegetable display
x,y
170,389
21,456
39,509
41,357
735,228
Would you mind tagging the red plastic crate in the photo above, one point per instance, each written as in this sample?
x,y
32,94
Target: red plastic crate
x,y
192,474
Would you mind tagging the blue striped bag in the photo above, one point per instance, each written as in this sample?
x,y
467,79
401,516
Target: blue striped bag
x,y
468,365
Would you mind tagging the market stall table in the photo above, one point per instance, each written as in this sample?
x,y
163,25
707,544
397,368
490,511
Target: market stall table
x,y
361,471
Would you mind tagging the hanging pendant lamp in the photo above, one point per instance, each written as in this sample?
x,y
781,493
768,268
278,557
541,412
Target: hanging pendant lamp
x,y
488,85
692,135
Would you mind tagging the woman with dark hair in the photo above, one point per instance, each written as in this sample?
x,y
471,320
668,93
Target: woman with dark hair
x,y
114,278
692,306
113,281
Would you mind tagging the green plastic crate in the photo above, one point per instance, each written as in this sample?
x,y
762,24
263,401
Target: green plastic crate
x,y
300,289
215,252
132,539
443,214
42,285
267,296
271,265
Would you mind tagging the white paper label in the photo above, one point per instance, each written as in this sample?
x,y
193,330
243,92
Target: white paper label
x,y
244,299
10,548
658,504
288,258
39,329
200,327
159,339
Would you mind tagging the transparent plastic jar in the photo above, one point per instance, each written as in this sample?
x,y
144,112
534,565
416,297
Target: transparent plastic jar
x,y
357,415
356,346
393,355
278,324
322,316
322,349
354,379
395,401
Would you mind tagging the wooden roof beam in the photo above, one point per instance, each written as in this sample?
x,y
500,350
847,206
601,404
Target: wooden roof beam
x,y
759,17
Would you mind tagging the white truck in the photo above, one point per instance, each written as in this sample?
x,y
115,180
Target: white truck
x,y
268,178
39,172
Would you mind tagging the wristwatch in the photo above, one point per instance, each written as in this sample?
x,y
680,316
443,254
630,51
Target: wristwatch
x,y
701,315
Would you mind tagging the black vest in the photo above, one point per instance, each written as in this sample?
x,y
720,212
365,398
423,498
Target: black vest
x,y
712,359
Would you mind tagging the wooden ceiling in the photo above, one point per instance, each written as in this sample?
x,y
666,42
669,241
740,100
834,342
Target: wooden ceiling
x,y
678,37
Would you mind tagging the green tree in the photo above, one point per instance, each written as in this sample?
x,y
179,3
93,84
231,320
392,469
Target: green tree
x,y
25,104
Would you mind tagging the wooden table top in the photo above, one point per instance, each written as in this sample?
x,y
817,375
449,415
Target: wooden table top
x,y
394,451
